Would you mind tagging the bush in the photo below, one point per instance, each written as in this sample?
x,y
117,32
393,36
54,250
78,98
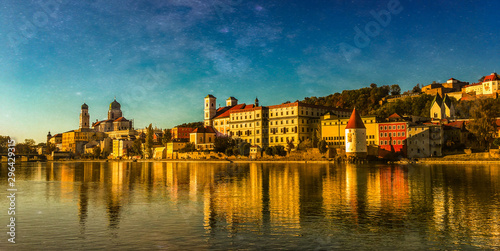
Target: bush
x,y
229,152
236,151
269,151
279,150
496,142
322,147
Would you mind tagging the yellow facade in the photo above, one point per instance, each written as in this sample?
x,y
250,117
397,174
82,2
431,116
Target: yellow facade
x,y
297,122
333,130
73,141
250,125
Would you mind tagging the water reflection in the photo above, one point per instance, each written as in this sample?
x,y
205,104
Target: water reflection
x,y
451,206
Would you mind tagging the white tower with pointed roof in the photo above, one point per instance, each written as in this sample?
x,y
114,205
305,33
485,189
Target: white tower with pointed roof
x,y
355,140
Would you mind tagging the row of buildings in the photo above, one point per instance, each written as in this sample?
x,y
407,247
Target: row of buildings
x,y
265,126
288,124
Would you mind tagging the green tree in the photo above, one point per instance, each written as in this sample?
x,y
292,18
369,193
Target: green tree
x,y
4,143
305,144
416,89
482,123
322,147
289,145
395,90
137,147
244,148
222,143
50,148
96,152
149,141
269,151
167,136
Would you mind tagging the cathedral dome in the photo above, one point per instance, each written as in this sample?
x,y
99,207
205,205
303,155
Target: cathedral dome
x,y
85,106
114,105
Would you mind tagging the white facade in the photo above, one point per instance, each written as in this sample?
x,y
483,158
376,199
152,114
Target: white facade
x,y
355,141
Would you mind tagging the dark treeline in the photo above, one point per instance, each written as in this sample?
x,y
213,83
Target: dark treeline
x,y
368,101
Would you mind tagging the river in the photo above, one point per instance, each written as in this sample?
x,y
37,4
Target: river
x,y
174,206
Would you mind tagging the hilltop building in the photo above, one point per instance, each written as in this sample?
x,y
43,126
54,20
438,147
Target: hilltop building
x,y
355,142
451,85
442,108
489,86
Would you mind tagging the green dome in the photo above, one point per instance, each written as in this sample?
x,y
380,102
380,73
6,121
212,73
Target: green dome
x,y
85,106
114,105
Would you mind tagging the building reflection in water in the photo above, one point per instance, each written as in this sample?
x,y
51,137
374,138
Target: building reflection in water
x,y
447,202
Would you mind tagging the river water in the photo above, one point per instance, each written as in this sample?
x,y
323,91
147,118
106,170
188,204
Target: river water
x,y
197,206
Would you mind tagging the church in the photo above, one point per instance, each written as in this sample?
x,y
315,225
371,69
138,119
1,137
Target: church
x,y
115,121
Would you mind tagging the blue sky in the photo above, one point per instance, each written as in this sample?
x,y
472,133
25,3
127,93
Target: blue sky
x,y
161,58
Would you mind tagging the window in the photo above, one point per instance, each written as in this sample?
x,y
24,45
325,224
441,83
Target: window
x,y
385,127
398,127
403,134
399,142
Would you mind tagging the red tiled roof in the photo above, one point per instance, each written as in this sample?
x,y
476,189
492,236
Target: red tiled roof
x,y
457,124
355,121
395,116
224,111
207,129
491,77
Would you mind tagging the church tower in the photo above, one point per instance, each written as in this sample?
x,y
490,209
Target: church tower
x,y
114,110
84,117
49,136
210,109
355,140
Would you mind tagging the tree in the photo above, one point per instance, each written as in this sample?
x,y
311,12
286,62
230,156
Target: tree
x,y
279,150
4,143
149,141
289,145
307,143
482,123
416,89
322,146
395,90
96,152
50,148
222,143
269,151
167,136
137,147
244,148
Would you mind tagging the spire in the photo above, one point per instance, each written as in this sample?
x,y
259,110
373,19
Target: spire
x,y
355,121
